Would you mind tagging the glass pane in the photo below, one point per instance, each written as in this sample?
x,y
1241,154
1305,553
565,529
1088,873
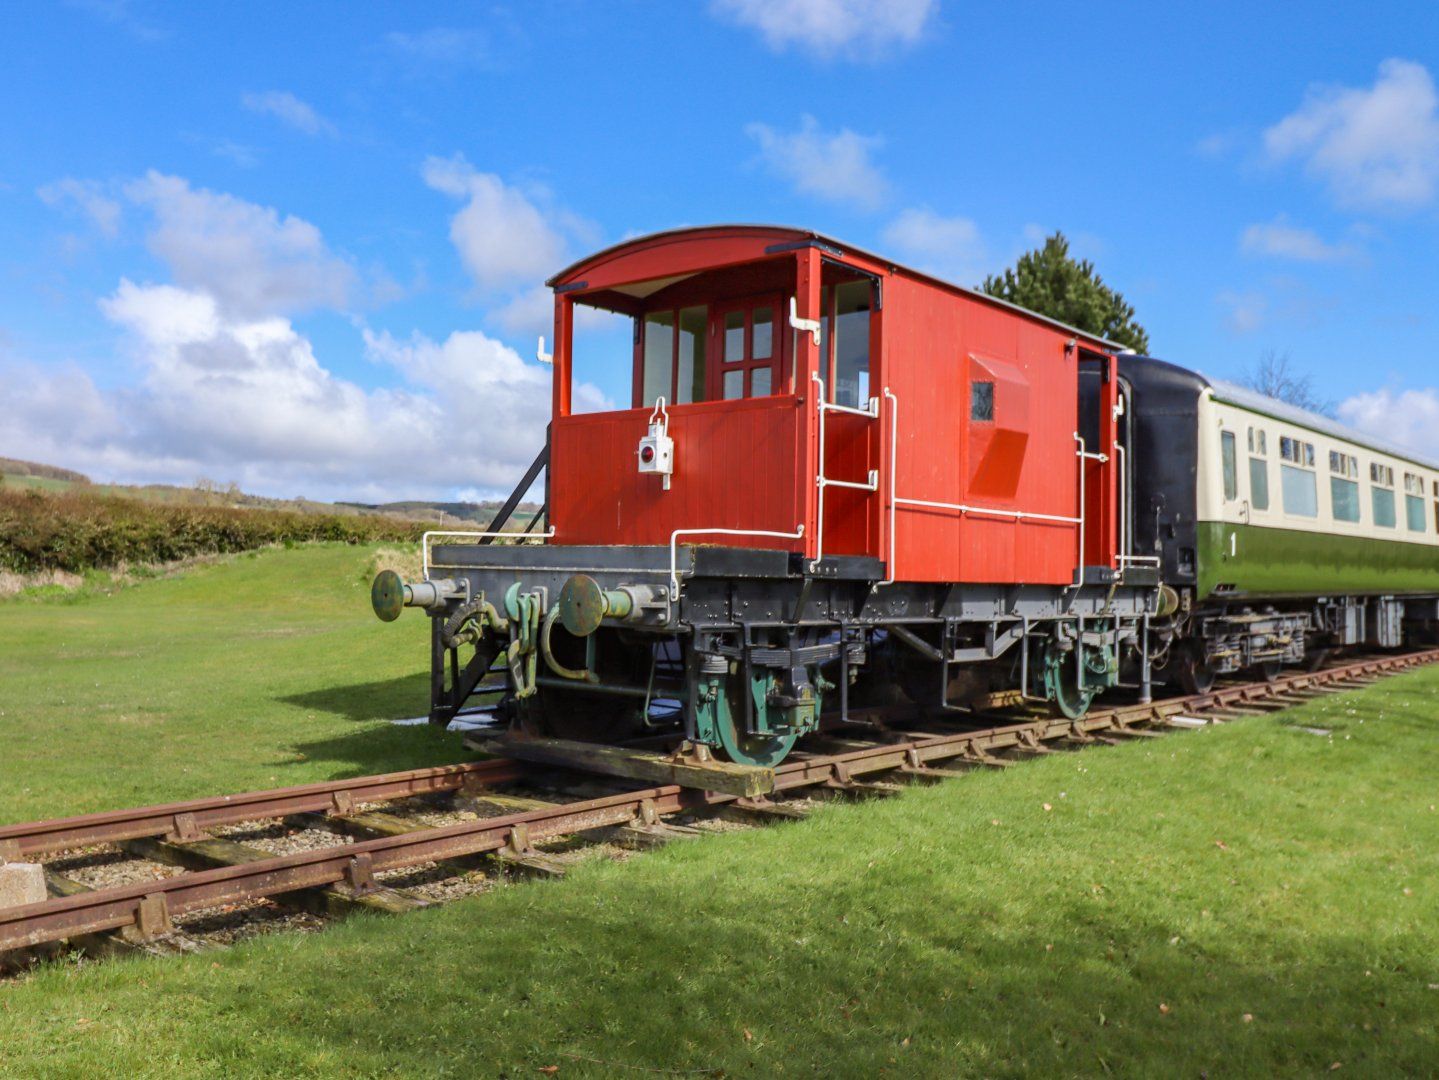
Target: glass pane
x,y
1301,493
1345,496
981,401
659,352
1259,483
693,324
1414,510
762,336
759,382
734,336
824,340
734,384
1231,467
1383,507
851,345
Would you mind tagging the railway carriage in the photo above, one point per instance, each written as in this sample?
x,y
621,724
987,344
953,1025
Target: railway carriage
x,y
1281,533
838,478
834,473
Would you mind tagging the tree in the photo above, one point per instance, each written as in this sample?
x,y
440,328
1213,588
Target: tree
x,y
1273,377
1048,282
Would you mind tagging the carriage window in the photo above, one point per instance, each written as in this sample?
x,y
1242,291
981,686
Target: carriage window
x,y
1231,468
1344,494
981,401
658,357
673,363
1344,486
1301,496
1259,483
1384,515
693,331
1301,453
750,352
1414,502
762,346
734,336
850,385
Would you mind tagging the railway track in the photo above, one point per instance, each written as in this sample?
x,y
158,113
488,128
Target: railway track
x,y
323,850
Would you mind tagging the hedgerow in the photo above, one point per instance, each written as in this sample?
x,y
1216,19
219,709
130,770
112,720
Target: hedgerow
x,y
78,531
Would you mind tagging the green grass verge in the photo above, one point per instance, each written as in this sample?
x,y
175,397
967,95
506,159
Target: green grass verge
x,y
263,669
1250,900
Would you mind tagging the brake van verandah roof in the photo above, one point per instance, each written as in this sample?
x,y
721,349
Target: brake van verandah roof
x,y
663,257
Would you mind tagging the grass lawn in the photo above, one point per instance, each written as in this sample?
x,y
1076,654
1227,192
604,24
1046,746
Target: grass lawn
x,y
262,670
1250,900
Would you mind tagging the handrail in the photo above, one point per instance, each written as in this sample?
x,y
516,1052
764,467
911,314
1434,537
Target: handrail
x,y
519,536
1124,558
674,549
1083,456
893,459
990,511
871,483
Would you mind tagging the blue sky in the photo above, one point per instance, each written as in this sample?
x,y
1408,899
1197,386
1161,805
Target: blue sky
x,y
298,246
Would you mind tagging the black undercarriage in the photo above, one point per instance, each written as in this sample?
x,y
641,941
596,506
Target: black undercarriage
x,y
742,649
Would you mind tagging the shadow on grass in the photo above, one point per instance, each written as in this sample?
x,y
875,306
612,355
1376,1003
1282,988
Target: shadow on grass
x,y
382,748
373,746
387,699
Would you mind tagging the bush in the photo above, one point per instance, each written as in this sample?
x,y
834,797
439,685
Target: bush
x,y
77,531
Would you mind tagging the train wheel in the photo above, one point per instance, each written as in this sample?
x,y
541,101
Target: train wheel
x,y
1195,676
1271,671
747,748
763,750
1069,700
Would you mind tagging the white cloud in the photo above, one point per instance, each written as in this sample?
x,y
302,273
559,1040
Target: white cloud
x,y
950,246
443,45
289,109
835,167
1245,312
1283,240
247,256
246,399
1374,146
1407,417
504,239
86,196
237,153
829,28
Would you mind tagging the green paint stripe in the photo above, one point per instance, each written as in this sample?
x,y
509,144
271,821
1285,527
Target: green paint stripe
x,y
1290,562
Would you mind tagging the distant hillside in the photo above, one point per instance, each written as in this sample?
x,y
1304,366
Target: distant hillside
x,y
52,478
478,513
80,529
16,467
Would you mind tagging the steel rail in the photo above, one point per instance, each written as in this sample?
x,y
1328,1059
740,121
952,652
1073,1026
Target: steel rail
x,y
186,818
157,902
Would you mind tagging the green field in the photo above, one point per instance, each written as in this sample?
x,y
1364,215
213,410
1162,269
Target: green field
x,y
1251,900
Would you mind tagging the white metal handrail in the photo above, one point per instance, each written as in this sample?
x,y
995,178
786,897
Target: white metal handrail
x,y
1124,558
871,483
1084,455
425,541
989,511
674,546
